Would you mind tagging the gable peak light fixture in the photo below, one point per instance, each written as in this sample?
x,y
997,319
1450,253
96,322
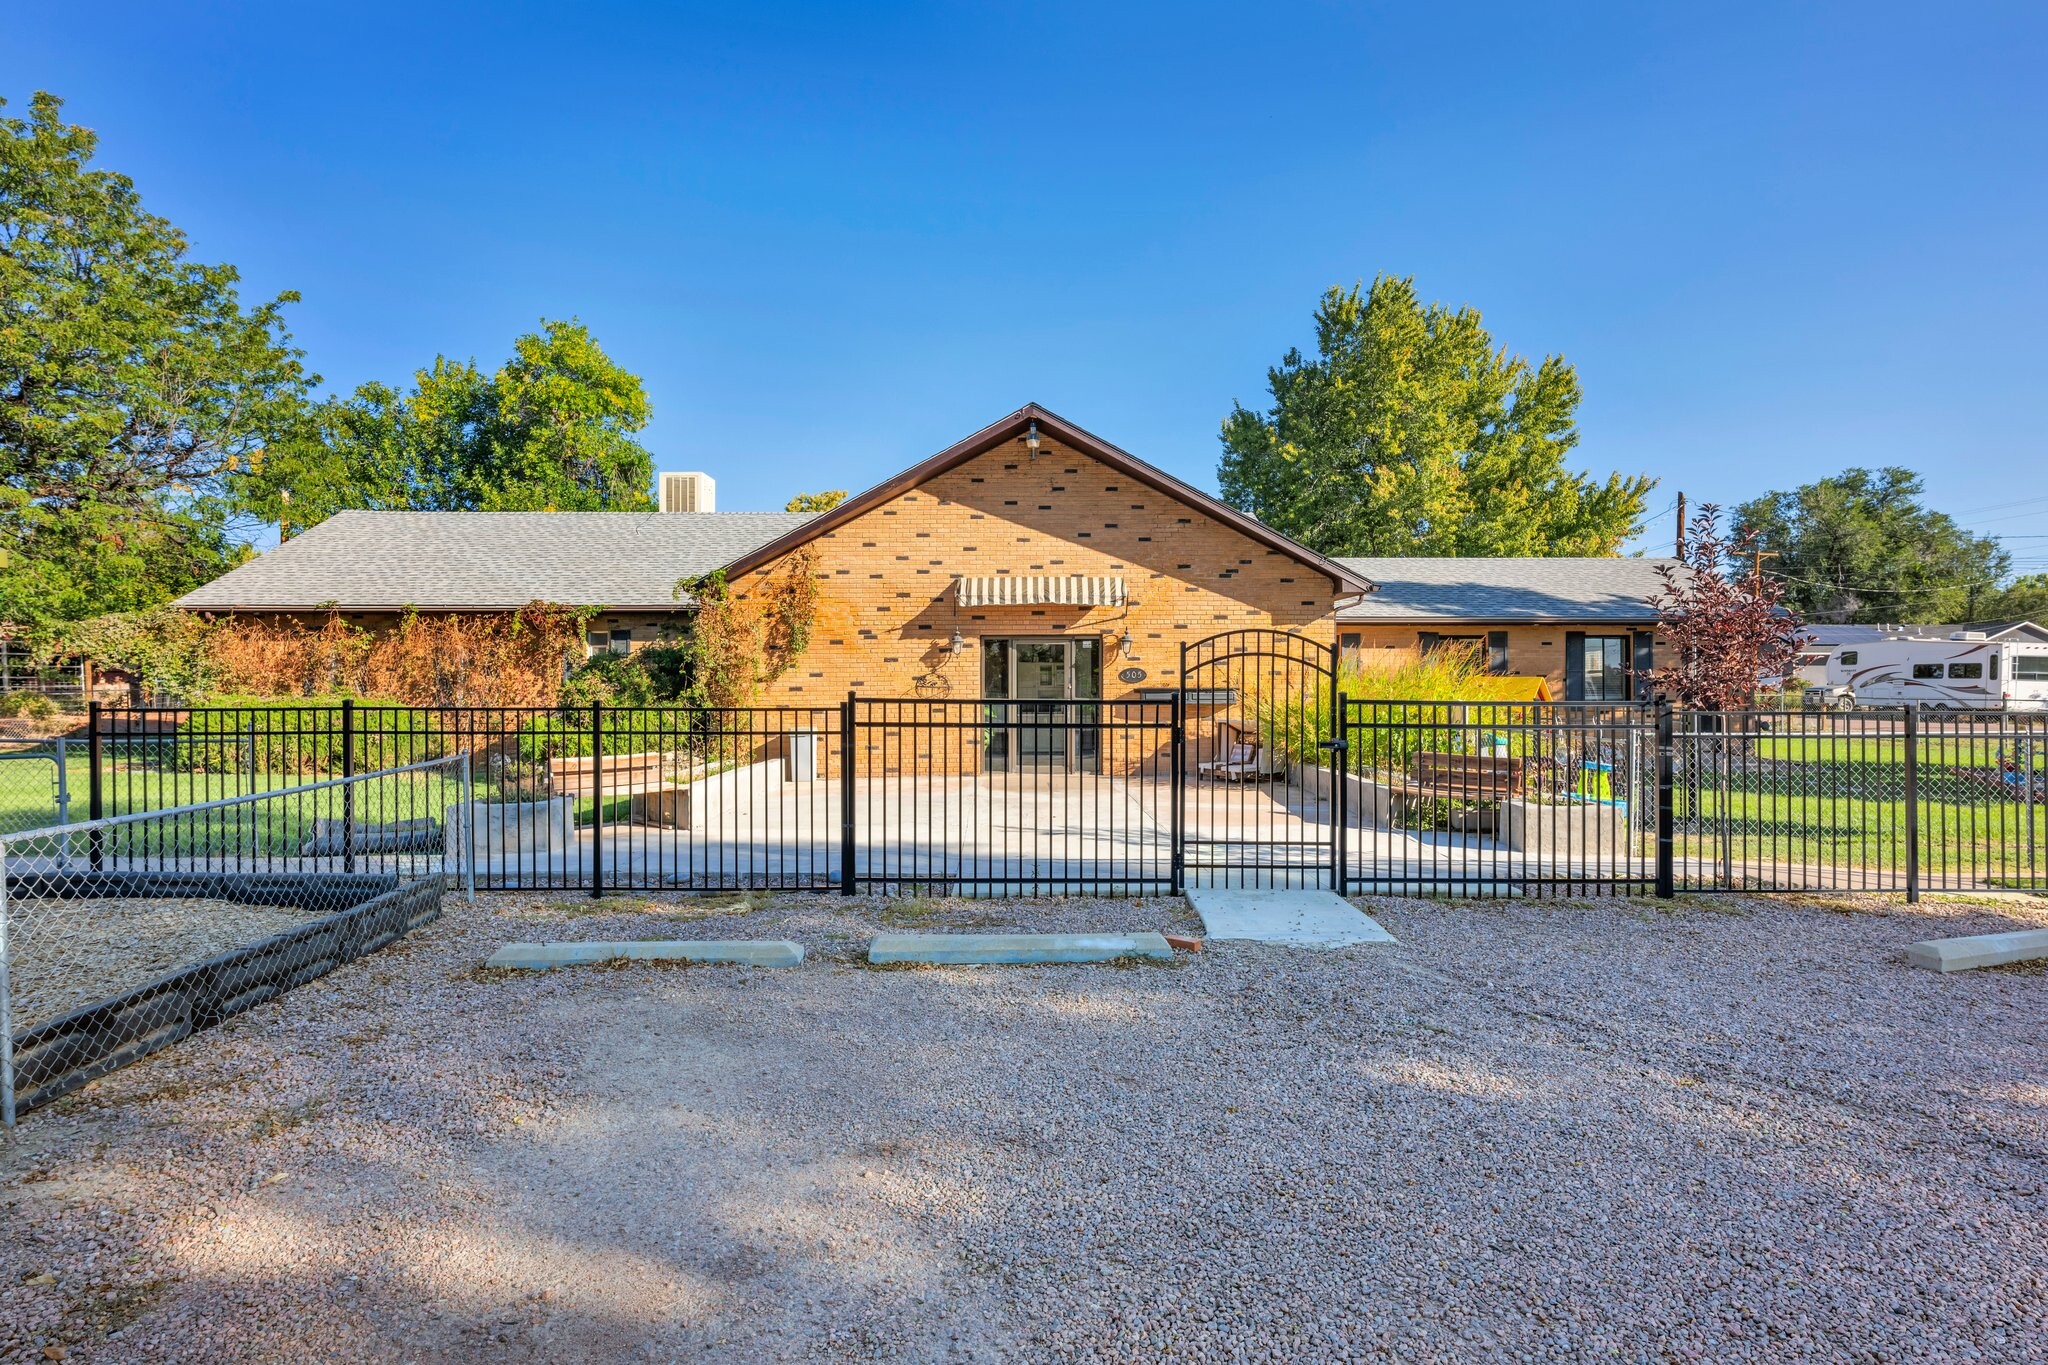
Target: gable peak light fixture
x,y
1031,439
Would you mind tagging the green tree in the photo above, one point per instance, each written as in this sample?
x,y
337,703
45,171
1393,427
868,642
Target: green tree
x,y
1861,547
2023,599
134,386
816,502
1410,434
551,430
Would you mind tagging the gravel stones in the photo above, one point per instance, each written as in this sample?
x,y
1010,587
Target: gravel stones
x,y
64,954
1717,1130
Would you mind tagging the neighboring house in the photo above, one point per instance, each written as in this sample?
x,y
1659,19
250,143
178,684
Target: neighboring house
x,y
1030,560
1585,624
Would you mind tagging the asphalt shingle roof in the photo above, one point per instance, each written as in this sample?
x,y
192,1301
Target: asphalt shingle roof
x,y
1506,589
368,561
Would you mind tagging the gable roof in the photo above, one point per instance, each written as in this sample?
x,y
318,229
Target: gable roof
x,y
1534,590
480,561
1051,424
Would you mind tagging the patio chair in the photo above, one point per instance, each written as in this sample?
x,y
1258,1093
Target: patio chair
x,y
1240,763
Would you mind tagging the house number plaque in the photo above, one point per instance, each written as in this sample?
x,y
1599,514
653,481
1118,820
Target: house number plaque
x,y
1132,675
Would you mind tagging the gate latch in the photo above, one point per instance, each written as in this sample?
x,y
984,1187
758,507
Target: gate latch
x,y
1334,745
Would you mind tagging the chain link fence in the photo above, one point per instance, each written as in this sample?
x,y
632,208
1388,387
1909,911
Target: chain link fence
x,y
122,936
1871,800
42,782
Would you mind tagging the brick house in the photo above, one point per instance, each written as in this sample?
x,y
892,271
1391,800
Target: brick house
x,y
1030,560
1585,624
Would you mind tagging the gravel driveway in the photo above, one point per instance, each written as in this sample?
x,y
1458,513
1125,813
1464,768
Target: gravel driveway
x,y
1729,1130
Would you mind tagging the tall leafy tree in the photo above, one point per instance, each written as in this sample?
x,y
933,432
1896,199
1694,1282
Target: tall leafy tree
x,y
550,430
2023,599
133,386
1862,547
1409,433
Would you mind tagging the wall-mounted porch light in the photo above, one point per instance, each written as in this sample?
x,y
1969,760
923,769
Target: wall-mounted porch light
x,y
1123,644
956,644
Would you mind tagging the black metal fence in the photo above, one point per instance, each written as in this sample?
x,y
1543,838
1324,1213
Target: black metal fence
x,y
1891,800
1256,772
1499,798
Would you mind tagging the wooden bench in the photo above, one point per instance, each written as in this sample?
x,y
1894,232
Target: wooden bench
x,y
1458,777
624,774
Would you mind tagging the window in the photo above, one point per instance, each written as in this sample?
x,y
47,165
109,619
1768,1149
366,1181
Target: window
x,y
1430,642
1847,658
1926,670
1349,647
1966,670
2030,667
1606,660
995,668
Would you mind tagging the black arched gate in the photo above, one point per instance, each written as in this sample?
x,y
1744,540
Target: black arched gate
x,y
1260,805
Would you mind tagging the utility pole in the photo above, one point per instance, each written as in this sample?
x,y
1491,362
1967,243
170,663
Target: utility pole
x,y
1681,526
1756,574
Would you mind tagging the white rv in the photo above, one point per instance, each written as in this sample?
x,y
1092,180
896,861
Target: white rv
x,y
1968,671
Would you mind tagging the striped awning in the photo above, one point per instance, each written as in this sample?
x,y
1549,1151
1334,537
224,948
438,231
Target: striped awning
x,y
1018,590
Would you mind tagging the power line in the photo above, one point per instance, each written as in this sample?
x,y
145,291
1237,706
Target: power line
x,y
2000,506
1858,587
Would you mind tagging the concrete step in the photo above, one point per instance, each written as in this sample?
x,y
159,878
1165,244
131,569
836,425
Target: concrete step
x,y
1007,949
1978,950
1289,917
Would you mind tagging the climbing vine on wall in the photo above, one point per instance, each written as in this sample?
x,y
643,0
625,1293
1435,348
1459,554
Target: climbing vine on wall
x,y
790,601
739,643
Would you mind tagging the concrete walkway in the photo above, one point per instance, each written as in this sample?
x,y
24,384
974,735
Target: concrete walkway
x,y
1293,918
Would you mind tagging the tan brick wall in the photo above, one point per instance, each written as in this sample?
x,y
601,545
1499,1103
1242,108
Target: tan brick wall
x,y
888,608
1532,650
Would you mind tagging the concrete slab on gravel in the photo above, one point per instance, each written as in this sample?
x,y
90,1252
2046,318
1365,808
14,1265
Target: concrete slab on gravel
x,y
1006,949
1978,950
727,952
1292,918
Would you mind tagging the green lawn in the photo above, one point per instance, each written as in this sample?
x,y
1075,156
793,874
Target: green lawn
x,y
1978,839
1935,750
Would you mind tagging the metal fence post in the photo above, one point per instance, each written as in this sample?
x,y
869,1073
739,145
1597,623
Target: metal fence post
x,y
846,728
1340,797
468,832
1666,870
63,781
1177,786
6,1007
348,788
597,799
1912,804
95,842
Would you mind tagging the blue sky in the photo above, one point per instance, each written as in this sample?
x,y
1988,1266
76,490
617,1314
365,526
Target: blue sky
x,y
1776,240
